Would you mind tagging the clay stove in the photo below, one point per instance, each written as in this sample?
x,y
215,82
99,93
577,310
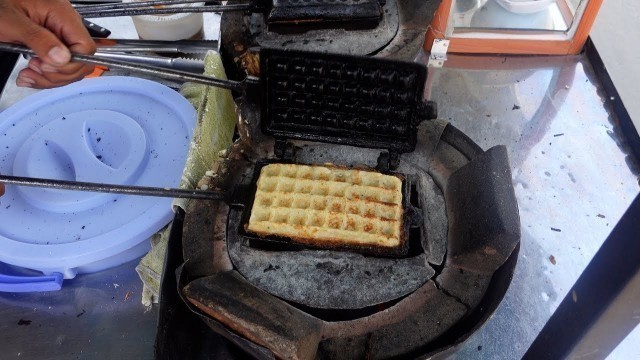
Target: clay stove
x,y
305,303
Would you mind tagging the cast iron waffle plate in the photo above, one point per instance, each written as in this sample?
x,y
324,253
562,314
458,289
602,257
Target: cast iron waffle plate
x,y
358,101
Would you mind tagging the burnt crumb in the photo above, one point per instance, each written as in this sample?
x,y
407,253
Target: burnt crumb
x,y
88,129
515,107
601,216
367,272
552,259
83,226
99,139
64,118
557,230
556,135
23,322
479,347
99,157
81,313
269,268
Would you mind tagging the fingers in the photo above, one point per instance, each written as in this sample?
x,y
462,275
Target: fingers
x,y
17,27
1,189
53,29
65,22
40,75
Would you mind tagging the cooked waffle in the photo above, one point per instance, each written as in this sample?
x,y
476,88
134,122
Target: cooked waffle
x,y
328,206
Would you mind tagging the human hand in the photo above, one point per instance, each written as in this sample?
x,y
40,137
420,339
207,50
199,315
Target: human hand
x,y
1,189
53,29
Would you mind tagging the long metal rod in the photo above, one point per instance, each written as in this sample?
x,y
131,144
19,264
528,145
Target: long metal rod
x,y
164,11
137,4
111,188
177,75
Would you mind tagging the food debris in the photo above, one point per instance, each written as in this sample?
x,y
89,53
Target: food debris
x,y
552,259
601,216
81,313
554,229
127,295
515,107
560,134
24,322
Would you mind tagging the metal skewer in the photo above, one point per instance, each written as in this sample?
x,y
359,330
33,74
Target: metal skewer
x,y
89,13
137,4
112,188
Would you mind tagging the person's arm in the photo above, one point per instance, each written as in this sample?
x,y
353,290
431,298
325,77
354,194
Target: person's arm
x,y
53,29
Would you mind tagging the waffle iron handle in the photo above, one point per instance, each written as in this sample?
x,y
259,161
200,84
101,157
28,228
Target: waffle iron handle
x,y
427,110
113,188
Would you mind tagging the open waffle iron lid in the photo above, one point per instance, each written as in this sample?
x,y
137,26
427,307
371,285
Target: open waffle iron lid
x,y
351,100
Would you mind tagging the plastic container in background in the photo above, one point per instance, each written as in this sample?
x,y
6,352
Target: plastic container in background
x,y
169,27
119,130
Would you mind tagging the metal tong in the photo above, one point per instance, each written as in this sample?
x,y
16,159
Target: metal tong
x,y
136,51
164,7
169,74
157,46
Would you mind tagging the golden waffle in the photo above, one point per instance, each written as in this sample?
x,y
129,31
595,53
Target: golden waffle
x,y
328,206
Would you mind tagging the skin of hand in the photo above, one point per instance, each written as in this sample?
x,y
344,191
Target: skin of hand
x,y
1,189
53,29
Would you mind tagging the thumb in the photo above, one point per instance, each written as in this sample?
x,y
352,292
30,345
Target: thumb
x,y
42,41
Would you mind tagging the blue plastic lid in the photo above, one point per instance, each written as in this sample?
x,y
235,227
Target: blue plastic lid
x,y
116,130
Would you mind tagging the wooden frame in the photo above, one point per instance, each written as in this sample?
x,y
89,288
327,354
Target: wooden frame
x,y
504,42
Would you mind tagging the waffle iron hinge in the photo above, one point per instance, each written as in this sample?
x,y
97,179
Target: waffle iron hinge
x,y
284,150
427,110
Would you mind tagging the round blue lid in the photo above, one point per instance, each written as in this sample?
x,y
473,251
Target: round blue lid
x,y
117,130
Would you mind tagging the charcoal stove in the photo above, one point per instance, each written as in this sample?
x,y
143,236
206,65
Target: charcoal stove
x,y
298,303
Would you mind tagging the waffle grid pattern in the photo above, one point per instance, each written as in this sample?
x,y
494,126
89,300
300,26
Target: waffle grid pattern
x,y
374,100
328,205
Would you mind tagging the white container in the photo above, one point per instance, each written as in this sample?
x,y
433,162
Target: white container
x,y
169,27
